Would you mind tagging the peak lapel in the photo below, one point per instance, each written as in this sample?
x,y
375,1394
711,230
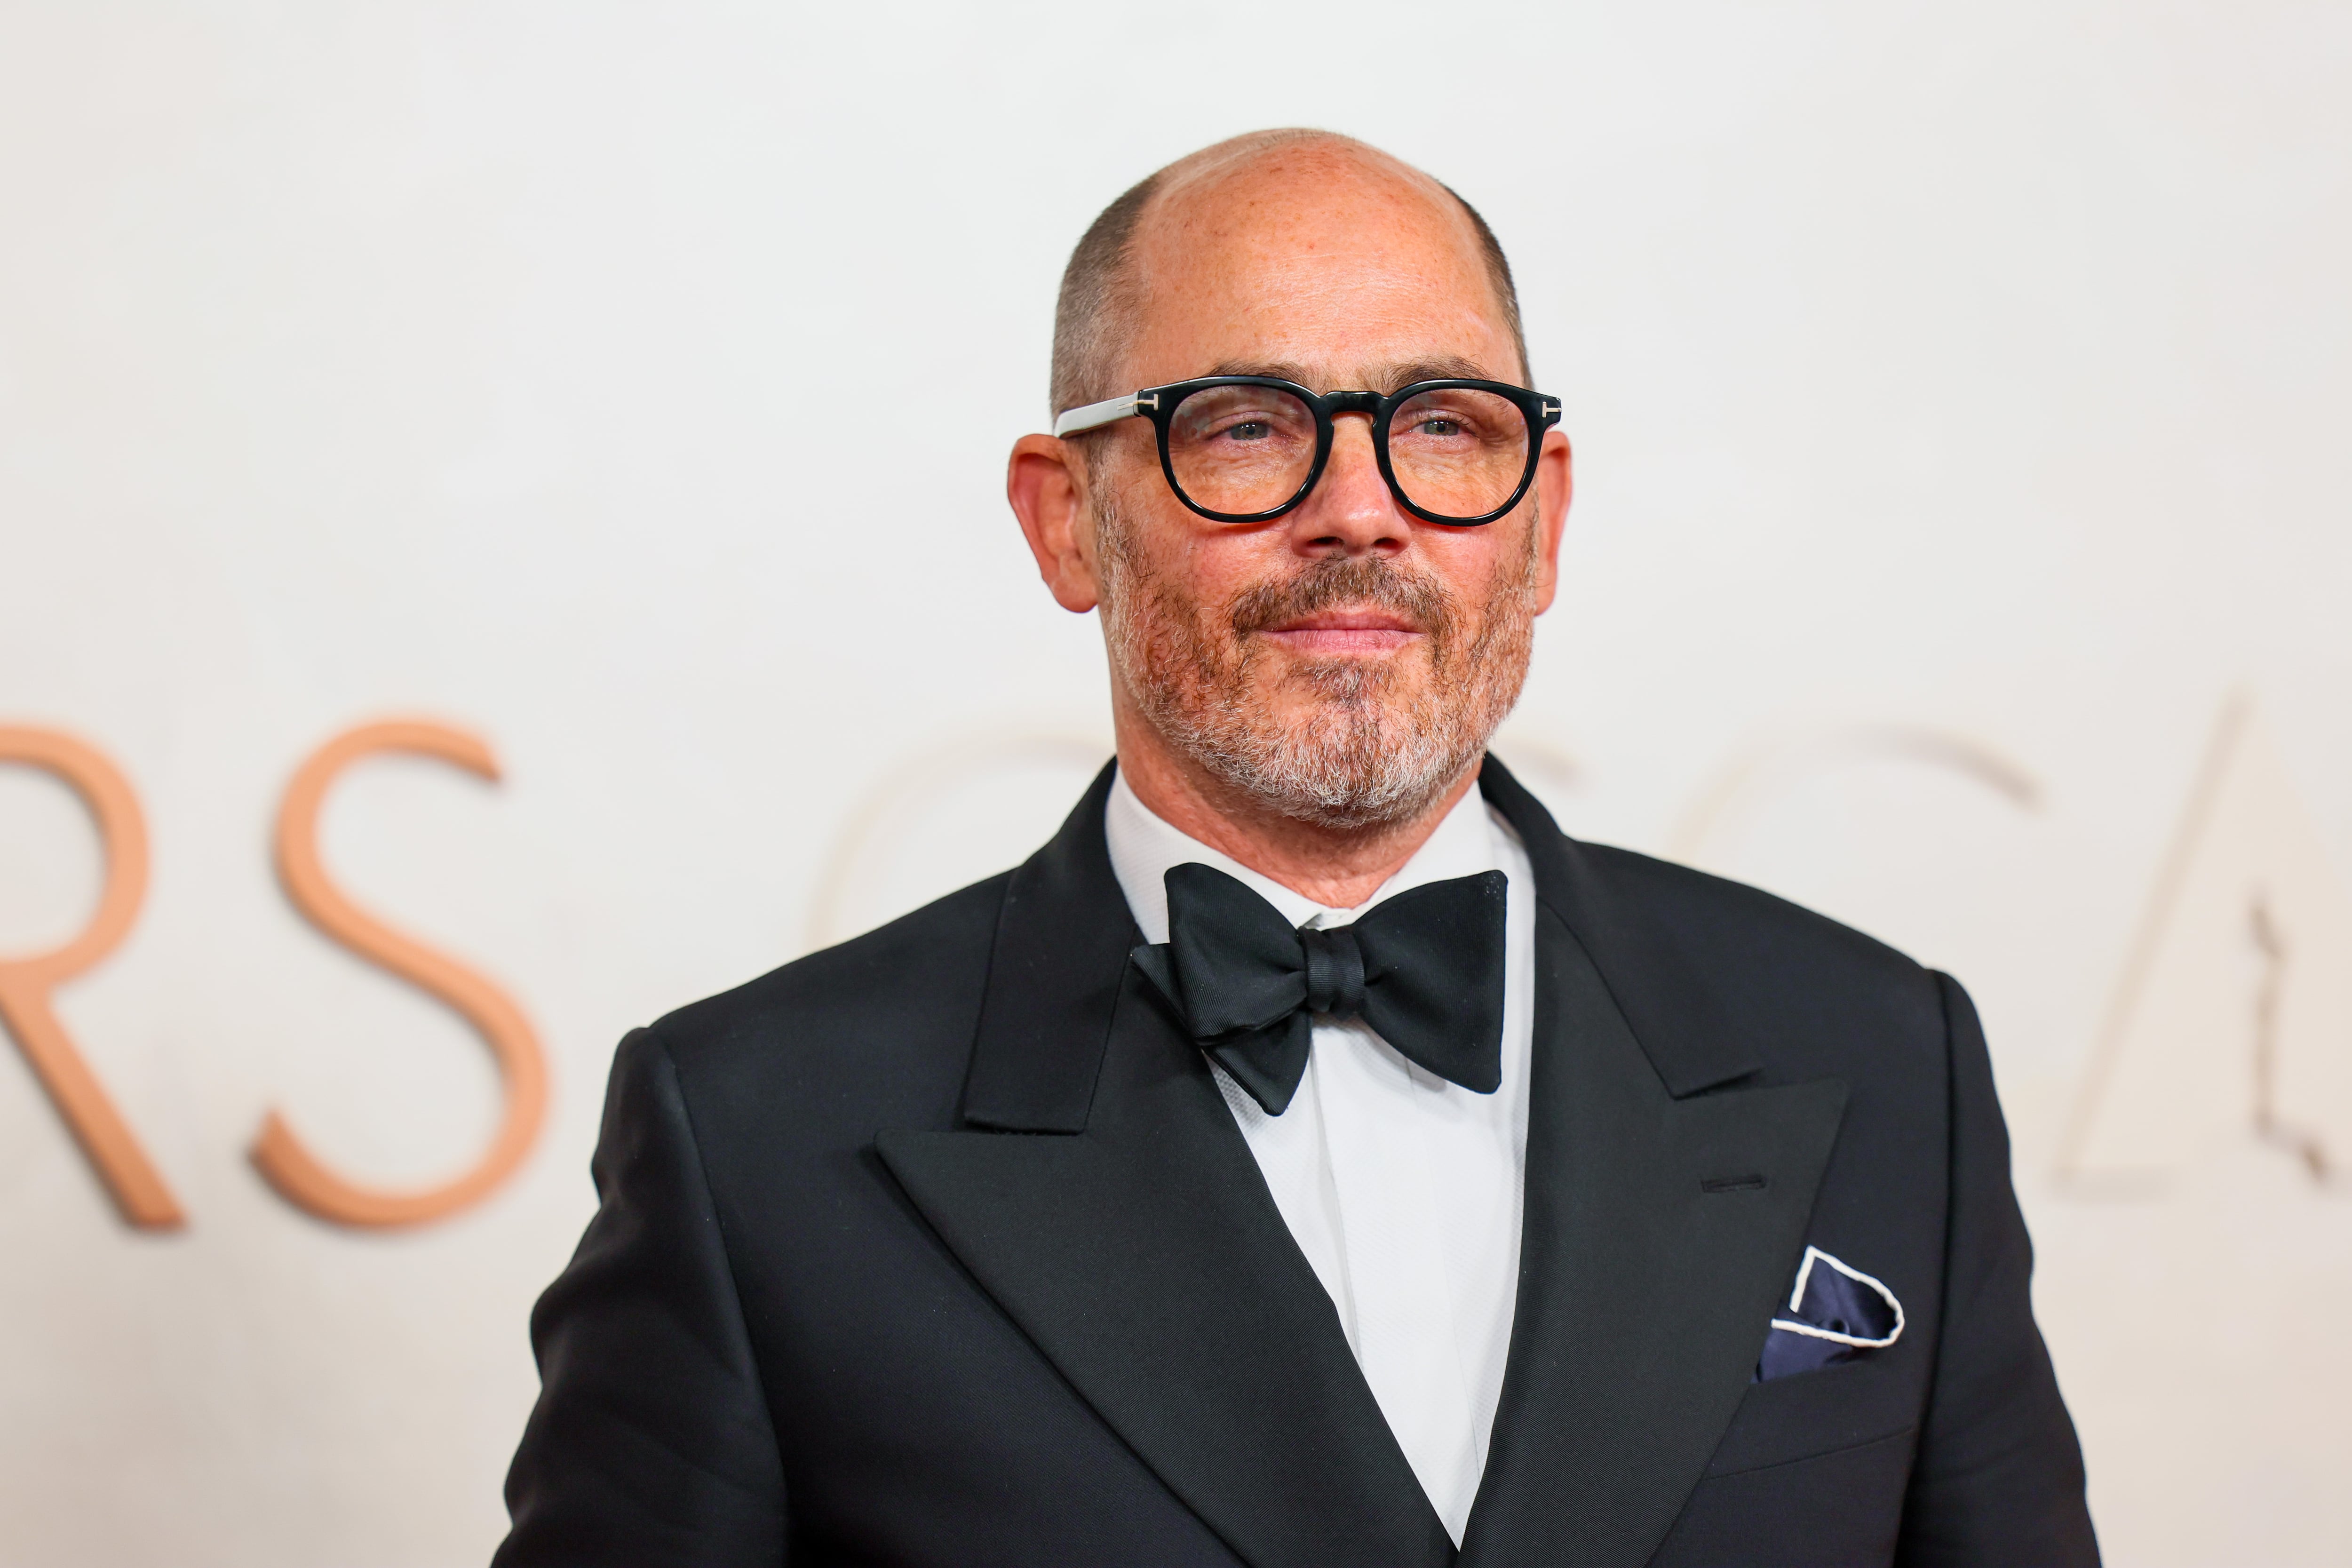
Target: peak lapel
x,y
1135,1242
1061,940
1644,1297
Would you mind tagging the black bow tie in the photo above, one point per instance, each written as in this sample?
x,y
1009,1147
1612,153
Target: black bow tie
x,y
1424,968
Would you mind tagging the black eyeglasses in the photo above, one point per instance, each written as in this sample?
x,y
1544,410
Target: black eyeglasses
x,y
1247,448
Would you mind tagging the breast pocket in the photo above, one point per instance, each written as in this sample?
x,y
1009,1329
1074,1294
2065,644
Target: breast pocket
x,y
1842,1406
1842,1509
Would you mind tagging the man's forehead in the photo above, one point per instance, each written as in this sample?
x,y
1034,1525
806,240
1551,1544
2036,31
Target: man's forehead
x,y
1378,333
1331,260
1289,224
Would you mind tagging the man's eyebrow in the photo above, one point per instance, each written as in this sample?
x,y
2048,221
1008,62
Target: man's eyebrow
x,y
1387,378
1449,367
1280,370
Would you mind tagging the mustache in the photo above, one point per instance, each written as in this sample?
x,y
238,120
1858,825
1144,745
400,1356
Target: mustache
x,y
1341,583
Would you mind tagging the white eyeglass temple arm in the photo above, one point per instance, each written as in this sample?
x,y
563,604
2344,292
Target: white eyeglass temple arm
x,y
1092,415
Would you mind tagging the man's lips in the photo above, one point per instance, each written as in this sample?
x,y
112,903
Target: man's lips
x,y
1345,631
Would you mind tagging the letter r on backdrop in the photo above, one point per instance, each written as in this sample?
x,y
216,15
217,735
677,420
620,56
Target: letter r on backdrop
x,y
26,984
283,1159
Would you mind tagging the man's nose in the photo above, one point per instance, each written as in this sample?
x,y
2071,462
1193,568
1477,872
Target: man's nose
x,y
1351,512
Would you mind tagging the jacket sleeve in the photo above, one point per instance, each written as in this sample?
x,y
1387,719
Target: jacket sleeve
x,y
650,1443
1998,1480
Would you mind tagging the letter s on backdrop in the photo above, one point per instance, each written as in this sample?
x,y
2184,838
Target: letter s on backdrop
x,y
278,1153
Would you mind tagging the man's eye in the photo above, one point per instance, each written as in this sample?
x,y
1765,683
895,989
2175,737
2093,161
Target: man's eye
x,y
1434,425
1249,430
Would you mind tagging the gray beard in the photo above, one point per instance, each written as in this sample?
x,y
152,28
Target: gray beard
x,y
1363,755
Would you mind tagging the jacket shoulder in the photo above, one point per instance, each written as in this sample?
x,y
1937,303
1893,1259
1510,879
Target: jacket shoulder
x,y
1720,913
877,1018
1810,993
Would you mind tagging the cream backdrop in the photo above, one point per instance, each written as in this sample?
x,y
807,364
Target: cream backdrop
x,y
1960,398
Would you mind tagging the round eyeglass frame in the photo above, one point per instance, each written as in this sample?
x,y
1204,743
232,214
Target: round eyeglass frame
x,y
1158,404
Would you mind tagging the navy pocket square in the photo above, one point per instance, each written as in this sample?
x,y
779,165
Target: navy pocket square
x,y
1835,1314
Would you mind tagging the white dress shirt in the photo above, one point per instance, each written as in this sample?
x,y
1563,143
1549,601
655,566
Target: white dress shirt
x,y
1405,1192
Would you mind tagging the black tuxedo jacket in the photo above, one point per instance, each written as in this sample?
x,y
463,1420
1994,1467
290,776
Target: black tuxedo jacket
x,y
940,1247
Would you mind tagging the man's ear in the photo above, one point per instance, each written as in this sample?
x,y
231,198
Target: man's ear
x,y
1045,481
1555,485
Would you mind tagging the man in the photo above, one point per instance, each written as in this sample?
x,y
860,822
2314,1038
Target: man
x,y
1309,1157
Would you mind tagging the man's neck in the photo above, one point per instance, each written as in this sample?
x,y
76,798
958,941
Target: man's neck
x,y
1339,867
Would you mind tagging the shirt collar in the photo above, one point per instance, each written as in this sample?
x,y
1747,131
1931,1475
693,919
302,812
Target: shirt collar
x,y
1144,846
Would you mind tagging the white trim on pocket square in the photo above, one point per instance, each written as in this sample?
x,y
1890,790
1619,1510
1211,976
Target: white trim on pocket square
x,y
1797,1297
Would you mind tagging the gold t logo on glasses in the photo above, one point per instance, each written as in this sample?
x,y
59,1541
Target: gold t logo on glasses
x,y
1247,448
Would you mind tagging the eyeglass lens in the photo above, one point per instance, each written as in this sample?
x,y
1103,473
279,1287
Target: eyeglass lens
x,y
1456,451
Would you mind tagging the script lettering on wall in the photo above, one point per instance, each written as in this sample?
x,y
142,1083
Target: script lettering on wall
x,y
2233,1012
281,1156
26,984
910,786
1751,776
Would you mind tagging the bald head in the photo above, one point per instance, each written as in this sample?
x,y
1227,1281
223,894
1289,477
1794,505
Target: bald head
x,y
1278,196
1315,683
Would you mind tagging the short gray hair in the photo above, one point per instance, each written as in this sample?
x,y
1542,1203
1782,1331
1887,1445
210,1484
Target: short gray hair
x,y
1094,317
